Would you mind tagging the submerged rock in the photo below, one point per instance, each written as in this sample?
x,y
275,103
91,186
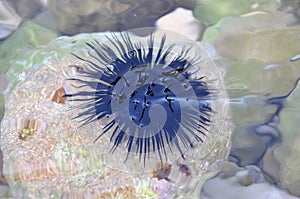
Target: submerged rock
x,y
9,19
292,7
288,152
263,56
266,37
247,183
212,11
13,13
183,22
75,16
50,133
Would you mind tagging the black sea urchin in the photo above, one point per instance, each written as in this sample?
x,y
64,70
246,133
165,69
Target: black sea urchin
x,y
152,96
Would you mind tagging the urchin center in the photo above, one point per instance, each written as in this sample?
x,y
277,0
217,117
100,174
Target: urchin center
x,y
143,98
145,108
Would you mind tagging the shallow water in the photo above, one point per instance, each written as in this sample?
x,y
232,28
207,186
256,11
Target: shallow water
x,y
254,47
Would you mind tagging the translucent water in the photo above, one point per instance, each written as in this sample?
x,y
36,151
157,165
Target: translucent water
x,y
206,109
